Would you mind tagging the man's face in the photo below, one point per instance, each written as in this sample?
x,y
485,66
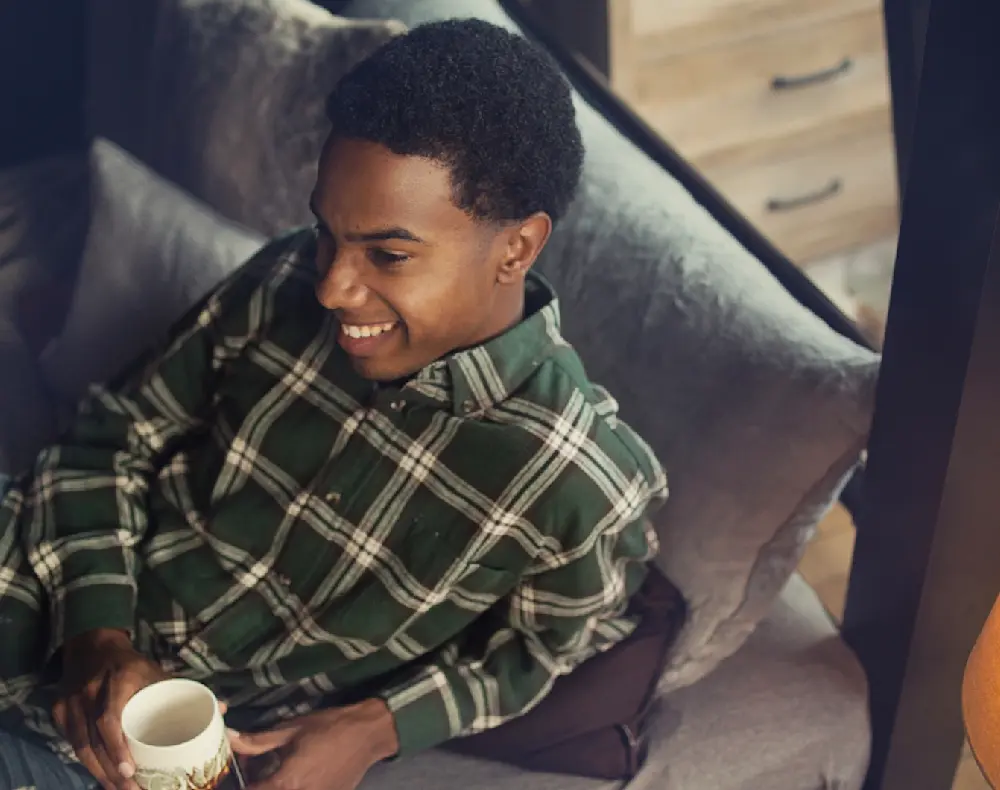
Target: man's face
x,y
410,276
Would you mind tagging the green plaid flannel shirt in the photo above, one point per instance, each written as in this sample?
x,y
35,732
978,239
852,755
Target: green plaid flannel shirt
x,y
264,520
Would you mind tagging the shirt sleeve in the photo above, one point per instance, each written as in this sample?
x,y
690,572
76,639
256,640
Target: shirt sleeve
x,y
555,619
83,508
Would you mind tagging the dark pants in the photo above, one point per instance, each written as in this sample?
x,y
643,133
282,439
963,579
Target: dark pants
x,y
27,765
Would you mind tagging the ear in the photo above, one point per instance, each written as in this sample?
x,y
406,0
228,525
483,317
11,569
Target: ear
x,y
523,243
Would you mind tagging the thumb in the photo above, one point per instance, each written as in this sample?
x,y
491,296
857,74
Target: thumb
x,y
254,744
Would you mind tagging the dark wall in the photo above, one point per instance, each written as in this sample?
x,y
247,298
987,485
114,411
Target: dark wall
x,y
41,77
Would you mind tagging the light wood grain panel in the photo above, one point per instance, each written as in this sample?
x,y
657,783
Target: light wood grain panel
x,y
858,157
621,47
823,566
708,101
671,26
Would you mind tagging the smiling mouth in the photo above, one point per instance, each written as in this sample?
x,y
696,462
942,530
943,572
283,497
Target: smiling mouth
x,y
360,331
365,340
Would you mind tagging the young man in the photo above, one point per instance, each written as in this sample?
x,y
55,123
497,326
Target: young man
x,y
366,491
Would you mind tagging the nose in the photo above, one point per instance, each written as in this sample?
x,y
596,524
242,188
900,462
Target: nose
x,y
340,286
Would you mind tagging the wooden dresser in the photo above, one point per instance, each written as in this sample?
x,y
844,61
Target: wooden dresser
x,y
782,104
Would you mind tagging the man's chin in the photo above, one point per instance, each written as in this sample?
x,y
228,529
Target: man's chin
x,y
375,370
367,368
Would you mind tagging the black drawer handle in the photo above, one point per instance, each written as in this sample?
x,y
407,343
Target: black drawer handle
x,y
789,204
802,80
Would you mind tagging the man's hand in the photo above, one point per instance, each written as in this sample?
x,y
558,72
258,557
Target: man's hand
x,y
101,673
327,750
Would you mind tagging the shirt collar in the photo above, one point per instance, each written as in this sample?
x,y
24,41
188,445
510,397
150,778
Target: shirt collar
x,y
475,379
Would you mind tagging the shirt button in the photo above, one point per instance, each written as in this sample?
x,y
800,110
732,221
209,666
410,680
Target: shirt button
x,y
468,406
333,497
397,405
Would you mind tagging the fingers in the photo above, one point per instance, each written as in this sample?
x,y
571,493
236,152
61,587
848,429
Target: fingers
x,y
252,745
223,708
109,729
78,735
59,717
114,778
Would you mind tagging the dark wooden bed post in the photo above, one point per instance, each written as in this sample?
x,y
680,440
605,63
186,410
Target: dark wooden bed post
x,y
926,566
905,34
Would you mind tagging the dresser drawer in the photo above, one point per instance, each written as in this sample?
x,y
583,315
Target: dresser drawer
x,y
708,101
657,27
821,193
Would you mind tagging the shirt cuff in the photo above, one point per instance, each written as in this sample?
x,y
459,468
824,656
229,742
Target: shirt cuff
x,y
86,608
421,715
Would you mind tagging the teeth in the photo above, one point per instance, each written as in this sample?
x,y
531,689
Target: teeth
x,y
370,330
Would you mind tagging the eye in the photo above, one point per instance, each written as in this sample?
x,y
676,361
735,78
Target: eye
x,y
386,258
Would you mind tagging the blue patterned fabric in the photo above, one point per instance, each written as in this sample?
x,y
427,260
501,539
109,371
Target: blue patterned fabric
x,y
27,765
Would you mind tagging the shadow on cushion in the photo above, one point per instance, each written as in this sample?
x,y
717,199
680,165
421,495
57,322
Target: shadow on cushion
x,y
27,411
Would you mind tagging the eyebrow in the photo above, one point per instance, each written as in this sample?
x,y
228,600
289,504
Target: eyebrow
x,y
381,234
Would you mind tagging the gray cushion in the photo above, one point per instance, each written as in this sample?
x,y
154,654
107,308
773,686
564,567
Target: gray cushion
x,y
44,215
27,411
757,408
793,694
236,94
43,219
151,253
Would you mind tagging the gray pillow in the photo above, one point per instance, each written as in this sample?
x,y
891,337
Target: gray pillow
x,y
27,411
151,253
756,408
235,100
44,214
43,220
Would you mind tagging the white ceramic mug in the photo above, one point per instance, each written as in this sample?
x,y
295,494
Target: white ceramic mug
x,y
177,738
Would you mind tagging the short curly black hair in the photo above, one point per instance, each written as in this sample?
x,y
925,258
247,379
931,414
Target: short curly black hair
x,y
486,102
